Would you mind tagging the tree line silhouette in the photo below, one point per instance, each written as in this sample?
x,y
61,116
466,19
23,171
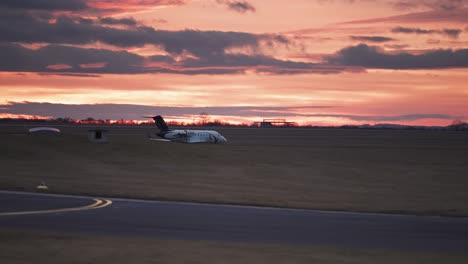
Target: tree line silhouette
x,y
457,125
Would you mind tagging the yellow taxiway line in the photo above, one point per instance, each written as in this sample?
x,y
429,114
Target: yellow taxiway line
x,y
96,205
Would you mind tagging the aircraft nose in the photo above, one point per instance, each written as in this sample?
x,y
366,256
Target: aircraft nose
x,y
222,139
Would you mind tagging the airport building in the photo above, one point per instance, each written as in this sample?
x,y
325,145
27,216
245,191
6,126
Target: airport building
x,y
274,123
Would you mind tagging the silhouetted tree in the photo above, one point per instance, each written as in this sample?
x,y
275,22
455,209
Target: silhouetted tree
x,y
204,117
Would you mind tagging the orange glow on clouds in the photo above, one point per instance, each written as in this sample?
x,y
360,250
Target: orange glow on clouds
x,y
326,94
59,67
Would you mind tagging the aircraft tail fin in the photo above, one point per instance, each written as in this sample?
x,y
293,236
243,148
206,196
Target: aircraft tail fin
x,y
160,123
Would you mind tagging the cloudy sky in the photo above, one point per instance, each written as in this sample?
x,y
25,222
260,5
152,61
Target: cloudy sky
x,y
311,61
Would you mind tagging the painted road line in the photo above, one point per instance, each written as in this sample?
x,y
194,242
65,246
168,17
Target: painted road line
x,y
96,205
107,203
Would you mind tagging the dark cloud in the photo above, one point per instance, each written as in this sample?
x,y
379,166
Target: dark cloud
x,y
412,30
83,20
378,39
66,59
17,58
404,5
261,63
70,74
202,52
452,33
241,7
373,57
204,43
446,5
238,6
29,28
397,46
161,58
65,30
117,21
70,5
128,111
92,6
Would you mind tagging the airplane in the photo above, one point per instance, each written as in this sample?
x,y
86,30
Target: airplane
x,y
186,136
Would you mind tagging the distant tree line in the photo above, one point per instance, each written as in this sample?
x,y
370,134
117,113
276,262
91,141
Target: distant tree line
x,y
457,125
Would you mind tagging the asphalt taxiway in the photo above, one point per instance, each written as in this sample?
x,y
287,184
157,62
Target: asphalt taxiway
x,y
175,220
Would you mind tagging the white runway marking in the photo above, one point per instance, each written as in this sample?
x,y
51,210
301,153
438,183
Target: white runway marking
x,y
96,205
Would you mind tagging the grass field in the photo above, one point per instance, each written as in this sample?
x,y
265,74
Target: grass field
x,y
422,172
39,247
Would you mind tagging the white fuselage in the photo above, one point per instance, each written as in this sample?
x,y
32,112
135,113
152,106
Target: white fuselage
x,y
194,136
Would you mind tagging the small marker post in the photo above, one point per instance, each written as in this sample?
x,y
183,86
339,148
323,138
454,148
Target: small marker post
x,y
42,186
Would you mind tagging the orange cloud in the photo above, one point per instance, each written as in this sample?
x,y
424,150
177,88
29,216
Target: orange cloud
x,y
59,67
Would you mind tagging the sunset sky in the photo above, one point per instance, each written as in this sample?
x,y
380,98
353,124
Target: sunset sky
x,y
320,62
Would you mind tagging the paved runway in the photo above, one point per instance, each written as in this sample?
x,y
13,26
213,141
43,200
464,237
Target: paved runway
x,y
172,220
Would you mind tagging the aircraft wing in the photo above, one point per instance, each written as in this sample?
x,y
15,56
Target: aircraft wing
x,y
160,139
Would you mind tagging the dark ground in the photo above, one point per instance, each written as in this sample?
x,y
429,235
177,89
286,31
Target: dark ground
x,y
420,172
